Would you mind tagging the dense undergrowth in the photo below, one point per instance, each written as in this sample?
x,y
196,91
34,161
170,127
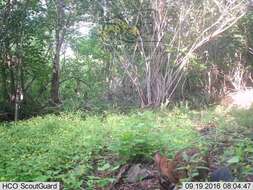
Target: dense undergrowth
x,y
64,147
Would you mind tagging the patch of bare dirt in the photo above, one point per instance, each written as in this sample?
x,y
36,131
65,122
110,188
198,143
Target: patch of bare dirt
x,y
150,182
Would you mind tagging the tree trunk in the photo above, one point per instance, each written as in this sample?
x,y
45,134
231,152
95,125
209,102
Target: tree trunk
x,y
59,37
55,95
4,81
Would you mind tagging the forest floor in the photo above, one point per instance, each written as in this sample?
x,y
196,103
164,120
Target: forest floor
x,y
100,151
234,134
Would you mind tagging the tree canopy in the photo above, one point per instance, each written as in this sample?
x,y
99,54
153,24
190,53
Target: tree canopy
x,y
142,53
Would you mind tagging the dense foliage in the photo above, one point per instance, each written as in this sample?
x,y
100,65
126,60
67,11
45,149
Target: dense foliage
x,y
140,53
64,147
88,87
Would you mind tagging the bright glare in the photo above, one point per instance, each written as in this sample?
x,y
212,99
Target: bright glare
x,y
83,29
242,99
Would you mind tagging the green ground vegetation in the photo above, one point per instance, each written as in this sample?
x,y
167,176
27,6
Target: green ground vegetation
x,y
64,147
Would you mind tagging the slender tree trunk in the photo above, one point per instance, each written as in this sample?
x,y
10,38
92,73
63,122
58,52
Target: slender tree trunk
x,y
55,95
22,81
4,87
4,81
59,37
16,111
149,93
12,82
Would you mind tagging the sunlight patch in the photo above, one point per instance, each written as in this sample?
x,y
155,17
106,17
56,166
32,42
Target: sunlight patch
x,y
242,99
